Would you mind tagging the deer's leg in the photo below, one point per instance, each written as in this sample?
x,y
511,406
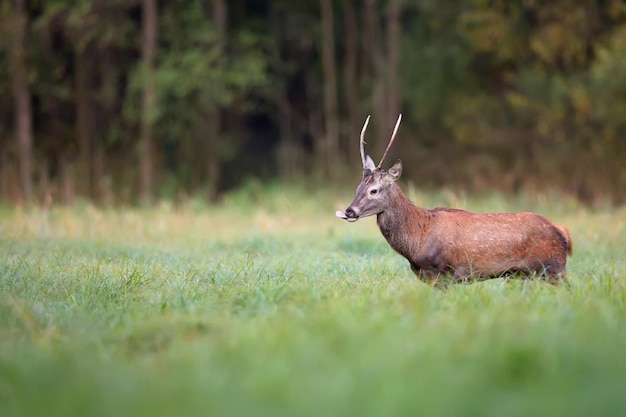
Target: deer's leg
x,y
431,278
463,273
556,278
555,272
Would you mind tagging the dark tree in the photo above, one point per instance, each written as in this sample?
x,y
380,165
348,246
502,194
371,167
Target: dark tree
x,y
329,146
21,94
148,99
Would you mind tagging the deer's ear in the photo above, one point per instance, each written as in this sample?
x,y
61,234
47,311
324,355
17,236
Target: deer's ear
x,y
395,171
369,164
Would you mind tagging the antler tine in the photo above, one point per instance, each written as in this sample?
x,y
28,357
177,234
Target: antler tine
x,y
393,136
362,142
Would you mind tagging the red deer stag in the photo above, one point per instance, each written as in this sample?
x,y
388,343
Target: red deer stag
x,y
447,244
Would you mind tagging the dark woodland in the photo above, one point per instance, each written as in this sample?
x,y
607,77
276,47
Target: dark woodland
x,y
133,101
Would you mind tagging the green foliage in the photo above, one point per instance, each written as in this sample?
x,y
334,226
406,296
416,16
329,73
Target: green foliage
x,y
508,94
195,75
492,29
195,72
608,81
435,73
198,70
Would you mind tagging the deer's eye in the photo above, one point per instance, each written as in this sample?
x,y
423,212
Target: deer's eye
x,y
373,191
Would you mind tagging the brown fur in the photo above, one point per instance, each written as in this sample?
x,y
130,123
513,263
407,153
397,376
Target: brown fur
x,y
460,244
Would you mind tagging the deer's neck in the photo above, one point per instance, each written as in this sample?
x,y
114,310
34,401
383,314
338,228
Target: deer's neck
x,y
403,224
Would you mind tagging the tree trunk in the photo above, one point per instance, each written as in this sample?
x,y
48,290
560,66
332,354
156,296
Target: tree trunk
x,y
148,102
393,58
21,95
377,77
330,144
104,121
4,173
287,151
214,116
350,82
213,152
84,120
66,178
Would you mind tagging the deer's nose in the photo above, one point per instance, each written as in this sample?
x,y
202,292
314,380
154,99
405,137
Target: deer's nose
x,y
351,212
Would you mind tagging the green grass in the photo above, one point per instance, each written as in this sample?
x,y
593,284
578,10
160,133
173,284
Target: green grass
x,y
269,305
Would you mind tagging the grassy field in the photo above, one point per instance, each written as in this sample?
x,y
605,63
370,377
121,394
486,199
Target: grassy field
x,y
269,305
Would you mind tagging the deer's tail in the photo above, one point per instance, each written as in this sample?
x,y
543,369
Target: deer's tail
x,y
568,239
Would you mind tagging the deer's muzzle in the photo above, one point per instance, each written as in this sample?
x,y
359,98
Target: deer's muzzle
x,y
349,215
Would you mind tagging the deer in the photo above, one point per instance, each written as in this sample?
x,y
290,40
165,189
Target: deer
x,y
448,245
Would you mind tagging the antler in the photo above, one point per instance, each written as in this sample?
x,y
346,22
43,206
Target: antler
x,y
363,140
393,136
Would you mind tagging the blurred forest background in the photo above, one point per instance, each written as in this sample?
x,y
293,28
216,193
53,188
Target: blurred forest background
x,y
127,101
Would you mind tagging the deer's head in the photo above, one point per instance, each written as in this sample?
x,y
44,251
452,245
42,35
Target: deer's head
x,y
372,194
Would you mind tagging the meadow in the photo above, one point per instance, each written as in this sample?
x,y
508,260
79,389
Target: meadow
x,y
266,304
